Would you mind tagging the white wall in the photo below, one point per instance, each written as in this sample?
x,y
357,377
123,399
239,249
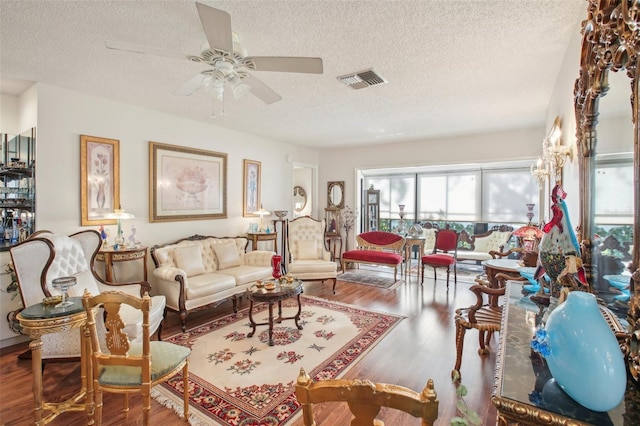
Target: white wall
x,y
9,114
64,115
18,113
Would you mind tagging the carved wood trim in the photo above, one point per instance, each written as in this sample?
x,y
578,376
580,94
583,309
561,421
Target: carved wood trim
x,y
609,43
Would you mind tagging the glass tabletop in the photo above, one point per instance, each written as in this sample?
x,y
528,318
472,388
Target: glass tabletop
x,y
42,311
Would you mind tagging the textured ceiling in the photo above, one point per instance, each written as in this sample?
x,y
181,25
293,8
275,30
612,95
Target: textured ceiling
x,y
453,67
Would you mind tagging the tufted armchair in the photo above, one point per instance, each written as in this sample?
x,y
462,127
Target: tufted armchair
x,y
46,256
309,259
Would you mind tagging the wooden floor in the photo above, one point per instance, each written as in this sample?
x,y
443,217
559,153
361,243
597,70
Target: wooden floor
x,y
422,346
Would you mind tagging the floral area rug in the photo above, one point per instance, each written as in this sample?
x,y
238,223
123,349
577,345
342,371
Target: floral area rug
x,y
237,380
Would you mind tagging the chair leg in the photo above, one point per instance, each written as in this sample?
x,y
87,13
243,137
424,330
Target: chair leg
x,y
460,332
146,403
98,403
164,316
422,279
447,278
335,281
183,318
455,274
483,349
435,277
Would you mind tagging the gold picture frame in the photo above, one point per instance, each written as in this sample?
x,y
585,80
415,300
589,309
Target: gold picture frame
x,y
251,188
99,179
186,183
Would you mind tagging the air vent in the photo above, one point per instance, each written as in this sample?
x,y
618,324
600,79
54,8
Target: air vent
x,y
362,79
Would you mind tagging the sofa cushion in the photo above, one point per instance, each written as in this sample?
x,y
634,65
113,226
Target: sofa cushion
x,y
245,274
307,249
189,259
373,256
313,266
227,255
208,284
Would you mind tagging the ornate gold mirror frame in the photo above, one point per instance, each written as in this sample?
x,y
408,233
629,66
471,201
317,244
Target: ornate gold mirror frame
x,y
335,194
610,42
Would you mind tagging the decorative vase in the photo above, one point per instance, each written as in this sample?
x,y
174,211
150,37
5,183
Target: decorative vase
x,y
276,262
583,354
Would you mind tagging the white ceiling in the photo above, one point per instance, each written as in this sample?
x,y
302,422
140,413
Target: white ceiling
x,y
453,66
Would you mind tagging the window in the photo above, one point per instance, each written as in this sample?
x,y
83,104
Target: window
x,y
496,194
451,196
614,192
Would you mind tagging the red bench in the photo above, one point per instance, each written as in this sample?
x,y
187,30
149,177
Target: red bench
x,y
377,248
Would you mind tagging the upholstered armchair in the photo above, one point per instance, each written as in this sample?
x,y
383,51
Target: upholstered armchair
x,y
47,256
309,259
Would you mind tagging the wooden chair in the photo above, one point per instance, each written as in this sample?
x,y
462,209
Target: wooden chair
x,y
444,254
126,367
365,399
485,316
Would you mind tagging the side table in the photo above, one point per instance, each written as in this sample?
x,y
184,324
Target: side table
x,y
278,294
109,256
410,243
38,320
334,245
263,236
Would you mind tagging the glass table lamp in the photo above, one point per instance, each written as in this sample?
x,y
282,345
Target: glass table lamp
x,y
119,215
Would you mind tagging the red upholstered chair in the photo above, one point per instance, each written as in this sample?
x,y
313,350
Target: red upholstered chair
x,y
444,254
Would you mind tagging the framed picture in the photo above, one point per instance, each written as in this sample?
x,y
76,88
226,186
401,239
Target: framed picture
x,y
99,179
251,188
186,183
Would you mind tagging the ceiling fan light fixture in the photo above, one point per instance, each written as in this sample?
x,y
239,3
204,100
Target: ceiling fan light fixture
x,y
238,87
224,67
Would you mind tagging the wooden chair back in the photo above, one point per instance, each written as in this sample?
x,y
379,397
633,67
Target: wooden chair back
x,y
120,366
365,399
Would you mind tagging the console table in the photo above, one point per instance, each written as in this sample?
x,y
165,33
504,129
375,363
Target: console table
x,y
109,256
523,390
263,236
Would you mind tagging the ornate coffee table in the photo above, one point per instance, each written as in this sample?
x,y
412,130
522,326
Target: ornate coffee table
x,y
278,294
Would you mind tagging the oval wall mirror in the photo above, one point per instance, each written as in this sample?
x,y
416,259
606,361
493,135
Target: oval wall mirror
x,y
335,194
299,198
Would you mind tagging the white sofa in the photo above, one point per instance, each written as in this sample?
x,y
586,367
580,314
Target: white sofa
x,y
479,247
203,271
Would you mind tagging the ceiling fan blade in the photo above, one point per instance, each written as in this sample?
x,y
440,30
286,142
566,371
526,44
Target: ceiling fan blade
x,y
128,47
287,64
191,85
261,90
217,27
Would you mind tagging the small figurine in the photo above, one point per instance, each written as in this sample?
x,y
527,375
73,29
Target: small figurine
x,y
133,240
103,236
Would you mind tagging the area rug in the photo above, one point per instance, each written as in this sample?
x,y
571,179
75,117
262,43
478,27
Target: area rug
x,y
370,279
237,380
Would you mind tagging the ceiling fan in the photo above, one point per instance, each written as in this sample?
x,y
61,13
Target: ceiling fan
x,y
228,61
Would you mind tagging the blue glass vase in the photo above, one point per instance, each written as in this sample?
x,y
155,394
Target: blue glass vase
x,y
583,354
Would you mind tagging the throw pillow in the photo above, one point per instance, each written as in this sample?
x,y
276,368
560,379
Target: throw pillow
x,y
307,249
227,255
189,259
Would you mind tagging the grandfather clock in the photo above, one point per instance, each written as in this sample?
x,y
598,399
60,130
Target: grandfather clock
x,y
371,209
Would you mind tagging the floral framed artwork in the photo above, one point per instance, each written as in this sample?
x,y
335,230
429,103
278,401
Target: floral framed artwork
x,y
186,183
99,179
251,188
